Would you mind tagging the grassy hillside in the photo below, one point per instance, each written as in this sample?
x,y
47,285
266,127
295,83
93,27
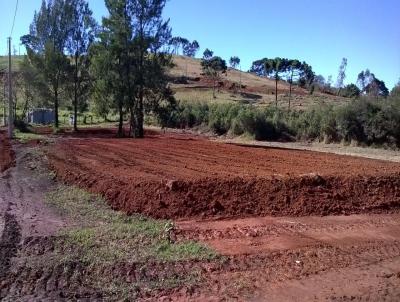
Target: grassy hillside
x,y
16,60
256,90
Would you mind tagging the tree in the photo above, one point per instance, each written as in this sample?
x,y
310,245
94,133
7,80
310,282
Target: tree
x,y
151,33
396,90
371,85
341,75
81,36
178,43
350,91
279,67
132,47
30,80
190,50
45,46
377,88
294,69
275,67
213,68
234,62
208,54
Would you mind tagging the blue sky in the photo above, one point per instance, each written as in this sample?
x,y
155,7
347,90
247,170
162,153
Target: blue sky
x,y
321,32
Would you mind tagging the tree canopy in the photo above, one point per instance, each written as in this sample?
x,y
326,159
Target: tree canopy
x,y
213,68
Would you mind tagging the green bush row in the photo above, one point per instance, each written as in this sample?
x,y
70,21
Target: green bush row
x,y
371,122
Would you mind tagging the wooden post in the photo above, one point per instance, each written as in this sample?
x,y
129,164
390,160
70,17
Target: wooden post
x,y
10,102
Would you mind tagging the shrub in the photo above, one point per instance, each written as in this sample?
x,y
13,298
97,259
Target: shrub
x,y
364,120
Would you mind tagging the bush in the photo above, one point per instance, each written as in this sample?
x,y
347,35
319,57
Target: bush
x,y
373,122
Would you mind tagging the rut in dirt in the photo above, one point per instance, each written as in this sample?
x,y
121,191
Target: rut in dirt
x,y
7,156
9,242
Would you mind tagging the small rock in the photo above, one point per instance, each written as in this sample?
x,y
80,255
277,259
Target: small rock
x,y
172,185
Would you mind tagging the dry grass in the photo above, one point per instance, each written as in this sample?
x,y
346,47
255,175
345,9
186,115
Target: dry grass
x,y
259,91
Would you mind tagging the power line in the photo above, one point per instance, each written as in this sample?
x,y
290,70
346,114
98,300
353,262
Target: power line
x,y
15,14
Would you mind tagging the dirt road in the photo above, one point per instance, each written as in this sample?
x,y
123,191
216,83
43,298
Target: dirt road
x,y
23,213
6,152
336,258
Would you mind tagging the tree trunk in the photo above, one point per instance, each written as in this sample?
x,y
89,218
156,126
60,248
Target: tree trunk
x,y
139,129
214,89
121,121
132,123
276,91
290,88
56,123
76,94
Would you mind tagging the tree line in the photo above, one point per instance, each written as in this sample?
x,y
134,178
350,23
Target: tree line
x,y
122,64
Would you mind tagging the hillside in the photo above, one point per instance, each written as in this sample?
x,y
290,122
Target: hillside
x,y
16,60
255,90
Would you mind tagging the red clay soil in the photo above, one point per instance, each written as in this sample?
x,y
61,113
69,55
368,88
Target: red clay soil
x,y
7,157
181,176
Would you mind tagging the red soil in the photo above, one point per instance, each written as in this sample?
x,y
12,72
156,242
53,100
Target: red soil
x,y
179,176
6,153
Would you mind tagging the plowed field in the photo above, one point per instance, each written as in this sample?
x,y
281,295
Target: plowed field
x,y
182,176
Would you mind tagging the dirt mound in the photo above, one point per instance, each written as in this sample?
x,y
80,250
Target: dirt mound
x,y
239,197
180,177
7,157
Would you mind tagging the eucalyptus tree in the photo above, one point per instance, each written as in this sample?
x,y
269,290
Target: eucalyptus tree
x,y
213,68
208,54
81,36
234,62
46,44
371,85
341,75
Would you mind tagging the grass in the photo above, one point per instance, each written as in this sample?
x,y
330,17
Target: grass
x,y
24,137
263,88
102,239
105,236
16,61
100,244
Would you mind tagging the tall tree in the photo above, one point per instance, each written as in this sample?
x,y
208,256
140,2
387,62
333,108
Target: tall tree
x,y
371,85
190,50
275,67
234,62
150,33
81,36
208,54
45,46
30,81
106,68
396,90
213,68
133,43
178,43
294,69
341,75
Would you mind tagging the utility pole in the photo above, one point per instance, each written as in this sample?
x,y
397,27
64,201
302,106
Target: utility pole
x,y
10,102
4,101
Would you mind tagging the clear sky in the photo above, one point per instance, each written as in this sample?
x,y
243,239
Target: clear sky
x,y
320,32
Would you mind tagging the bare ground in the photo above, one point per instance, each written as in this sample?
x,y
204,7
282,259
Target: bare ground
x,y
263,258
